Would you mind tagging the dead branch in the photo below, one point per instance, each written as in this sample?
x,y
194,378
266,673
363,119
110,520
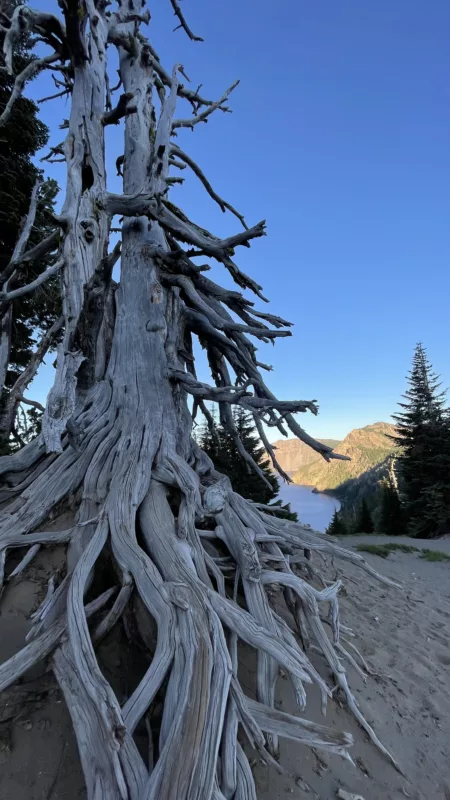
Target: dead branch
x,y
175,150
30,287
15,394
33,403
203,115
183,24
121,110
35,253
29,72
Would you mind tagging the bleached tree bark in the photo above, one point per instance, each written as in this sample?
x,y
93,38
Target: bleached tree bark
x,y
117,437
14,284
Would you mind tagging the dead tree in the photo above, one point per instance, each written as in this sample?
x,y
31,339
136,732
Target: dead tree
x,y
116,447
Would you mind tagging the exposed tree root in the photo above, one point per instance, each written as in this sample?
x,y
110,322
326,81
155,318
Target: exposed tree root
x,y
172,538
193,562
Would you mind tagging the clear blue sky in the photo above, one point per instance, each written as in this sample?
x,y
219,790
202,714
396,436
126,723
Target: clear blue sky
x,y
339,137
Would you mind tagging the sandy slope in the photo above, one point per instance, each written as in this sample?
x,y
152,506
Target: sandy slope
x,y
405,636
408,704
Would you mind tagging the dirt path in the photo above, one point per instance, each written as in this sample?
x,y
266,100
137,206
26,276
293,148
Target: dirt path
x,y
404,635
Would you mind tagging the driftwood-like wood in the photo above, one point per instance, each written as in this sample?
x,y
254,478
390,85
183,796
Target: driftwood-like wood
x,y
193,559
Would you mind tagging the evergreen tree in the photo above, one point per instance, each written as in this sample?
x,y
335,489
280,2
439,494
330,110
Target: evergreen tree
x,y
391,518
337,526
283,510
21,136
214,441
436,519
33,314
246,480
364,522
219,445
423,434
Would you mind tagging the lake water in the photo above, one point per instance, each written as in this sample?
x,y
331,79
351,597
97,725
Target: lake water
x,y
315,509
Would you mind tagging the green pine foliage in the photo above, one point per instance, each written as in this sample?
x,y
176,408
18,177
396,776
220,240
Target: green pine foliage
x,y
391,521
21,137
423,440
337,526
247,482
218,444
35,313
364,522
436,521
283,510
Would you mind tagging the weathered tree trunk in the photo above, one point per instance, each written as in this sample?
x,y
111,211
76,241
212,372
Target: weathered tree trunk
x,y
117,449
85,225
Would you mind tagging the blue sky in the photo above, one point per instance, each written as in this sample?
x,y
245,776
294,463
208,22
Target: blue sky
x,y
339,139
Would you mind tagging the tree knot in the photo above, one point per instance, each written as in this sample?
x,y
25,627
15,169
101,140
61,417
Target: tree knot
x,y
179,594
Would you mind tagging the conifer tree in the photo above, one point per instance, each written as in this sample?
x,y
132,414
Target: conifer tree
x,y
364,522
436,518
422,436
27,317
391,518
261,486
255,481
337,526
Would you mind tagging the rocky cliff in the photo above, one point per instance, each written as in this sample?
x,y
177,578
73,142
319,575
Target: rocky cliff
x,y
367,447
292,454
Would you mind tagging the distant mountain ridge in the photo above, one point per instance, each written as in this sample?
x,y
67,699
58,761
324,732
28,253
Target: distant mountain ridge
x,y
292,454
367,447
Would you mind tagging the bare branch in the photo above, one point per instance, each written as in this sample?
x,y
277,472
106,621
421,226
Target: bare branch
x,y
15,395
231,395
217,316
30,70
196,100
237,303
33,403
175,150
270,449
203,116
278,322
176,260
180,227
62,93
227,421
27,224
27,19
57,150
121,110
183,24
173,162
34,254
30,287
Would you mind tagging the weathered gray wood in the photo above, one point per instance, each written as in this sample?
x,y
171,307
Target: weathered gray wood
x,y
310,733
15,394
117,425
86,227
28,557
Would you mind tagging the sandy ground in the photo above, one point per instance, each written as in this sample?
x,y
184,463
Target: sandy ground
x,y
404,636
